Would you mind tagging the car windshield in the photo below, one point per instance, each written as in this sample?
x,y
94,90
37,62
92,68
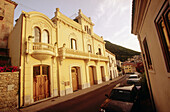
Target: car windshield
x,y
133,77
121,95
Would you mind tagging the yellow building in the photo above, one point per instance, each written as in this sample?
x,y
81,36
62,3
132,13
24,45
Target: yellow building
x,y
150,22
112,66
56,56
129,67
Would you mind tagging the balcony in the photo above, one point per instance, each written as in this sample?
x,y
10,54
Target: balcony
x,y
74,54
40,51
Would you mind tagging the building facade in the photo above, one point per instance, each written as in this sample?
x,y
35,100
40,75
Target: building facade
x,y
150,22
112,66
128,67
6,25
135,59
7,8
56,56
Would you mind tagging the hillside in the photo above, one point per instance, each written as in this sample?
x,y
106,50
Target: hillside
x,y
121,53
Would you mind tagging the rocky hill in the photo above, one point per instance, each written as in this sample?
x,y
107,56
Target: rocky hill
x,y
121,53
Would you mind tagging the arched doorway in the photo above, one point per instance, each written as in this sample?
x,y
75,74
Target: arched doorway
x,y
75,78
91,75
41,82
111,75
102,73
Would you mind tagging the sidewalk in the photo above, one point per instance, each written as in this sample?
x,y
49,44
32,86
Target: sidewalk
x,y
52,101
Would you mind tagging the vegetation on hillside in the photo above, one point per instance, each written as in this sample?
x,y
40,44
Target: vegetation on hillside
x,y
121,53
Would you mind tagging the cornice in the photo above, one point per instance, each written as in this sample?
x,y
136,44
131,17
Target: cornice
x,y
110,52
40,15
88,20
139,8
12,2
98,39
69,25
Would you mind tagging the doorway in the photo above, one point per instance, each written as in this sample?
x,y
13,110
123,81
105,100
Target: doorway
x,y
41,82
91,75
75,81
102,73
111,75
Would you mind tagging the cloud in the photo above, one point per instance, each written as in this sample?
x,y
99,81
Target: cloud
x,y
120,32
102,8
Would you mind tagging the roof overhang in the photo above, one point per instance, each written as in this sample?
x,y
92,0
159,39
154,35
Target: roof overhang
x,y
138,11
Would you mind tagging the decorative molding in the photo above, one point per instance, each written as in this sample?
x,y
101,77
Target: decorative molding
x,y
69,25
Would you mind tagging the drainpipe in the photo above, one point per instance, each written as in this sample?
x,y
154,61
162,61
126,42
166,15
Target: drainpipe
x,y
19,78
24,15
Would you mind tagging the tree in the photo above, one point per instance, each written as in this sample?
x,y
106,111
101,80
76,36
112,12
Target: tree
x,y
140,67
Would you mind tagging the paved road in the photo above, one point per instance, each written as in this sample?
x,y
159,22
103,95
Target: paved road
x,y
89,102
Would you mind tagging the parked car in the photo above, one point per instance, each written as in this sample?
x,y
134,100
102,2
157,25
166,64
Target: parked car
x,y
120,99
134,79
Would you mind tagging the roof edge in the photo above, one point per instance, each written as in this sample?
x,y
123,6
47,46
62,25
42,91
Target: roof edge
x,y
12,2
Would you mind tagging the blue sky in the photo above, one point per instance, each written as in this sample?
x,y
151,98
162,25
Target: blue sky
x,y
112,18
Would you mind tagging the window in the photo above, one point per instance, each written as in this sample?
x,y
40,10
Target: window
x,y
99,51
147,54
37,34
45,69
89,48
36,70
73,44
2,12
87,29
45,37
162,23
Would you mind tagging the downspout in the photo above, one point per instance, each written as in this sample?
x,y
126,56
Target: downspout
x,y
24,15
57,58
19,82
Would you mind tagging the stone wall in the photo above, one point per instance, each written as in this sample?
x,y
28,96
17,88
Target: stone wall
x,y
8,90
6,24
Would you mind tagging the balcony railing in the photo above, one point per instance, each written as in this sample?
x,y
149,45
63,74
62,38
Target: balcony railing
x,y
40,51
70,53
43,46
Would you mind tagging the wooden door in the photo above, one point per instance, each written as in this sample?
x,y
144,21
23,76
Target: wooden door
x,y
110,75
102,73
74,78
41,82
91,75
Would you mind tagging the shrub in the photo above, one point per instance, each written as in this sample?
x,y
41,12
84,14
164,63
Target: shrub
x,y
9,69
140,67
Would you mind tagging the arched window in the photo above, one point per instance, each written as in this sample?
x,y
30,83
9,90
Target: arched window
x,y
37,34
73,44
89,31
89,48
45,37
99,51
